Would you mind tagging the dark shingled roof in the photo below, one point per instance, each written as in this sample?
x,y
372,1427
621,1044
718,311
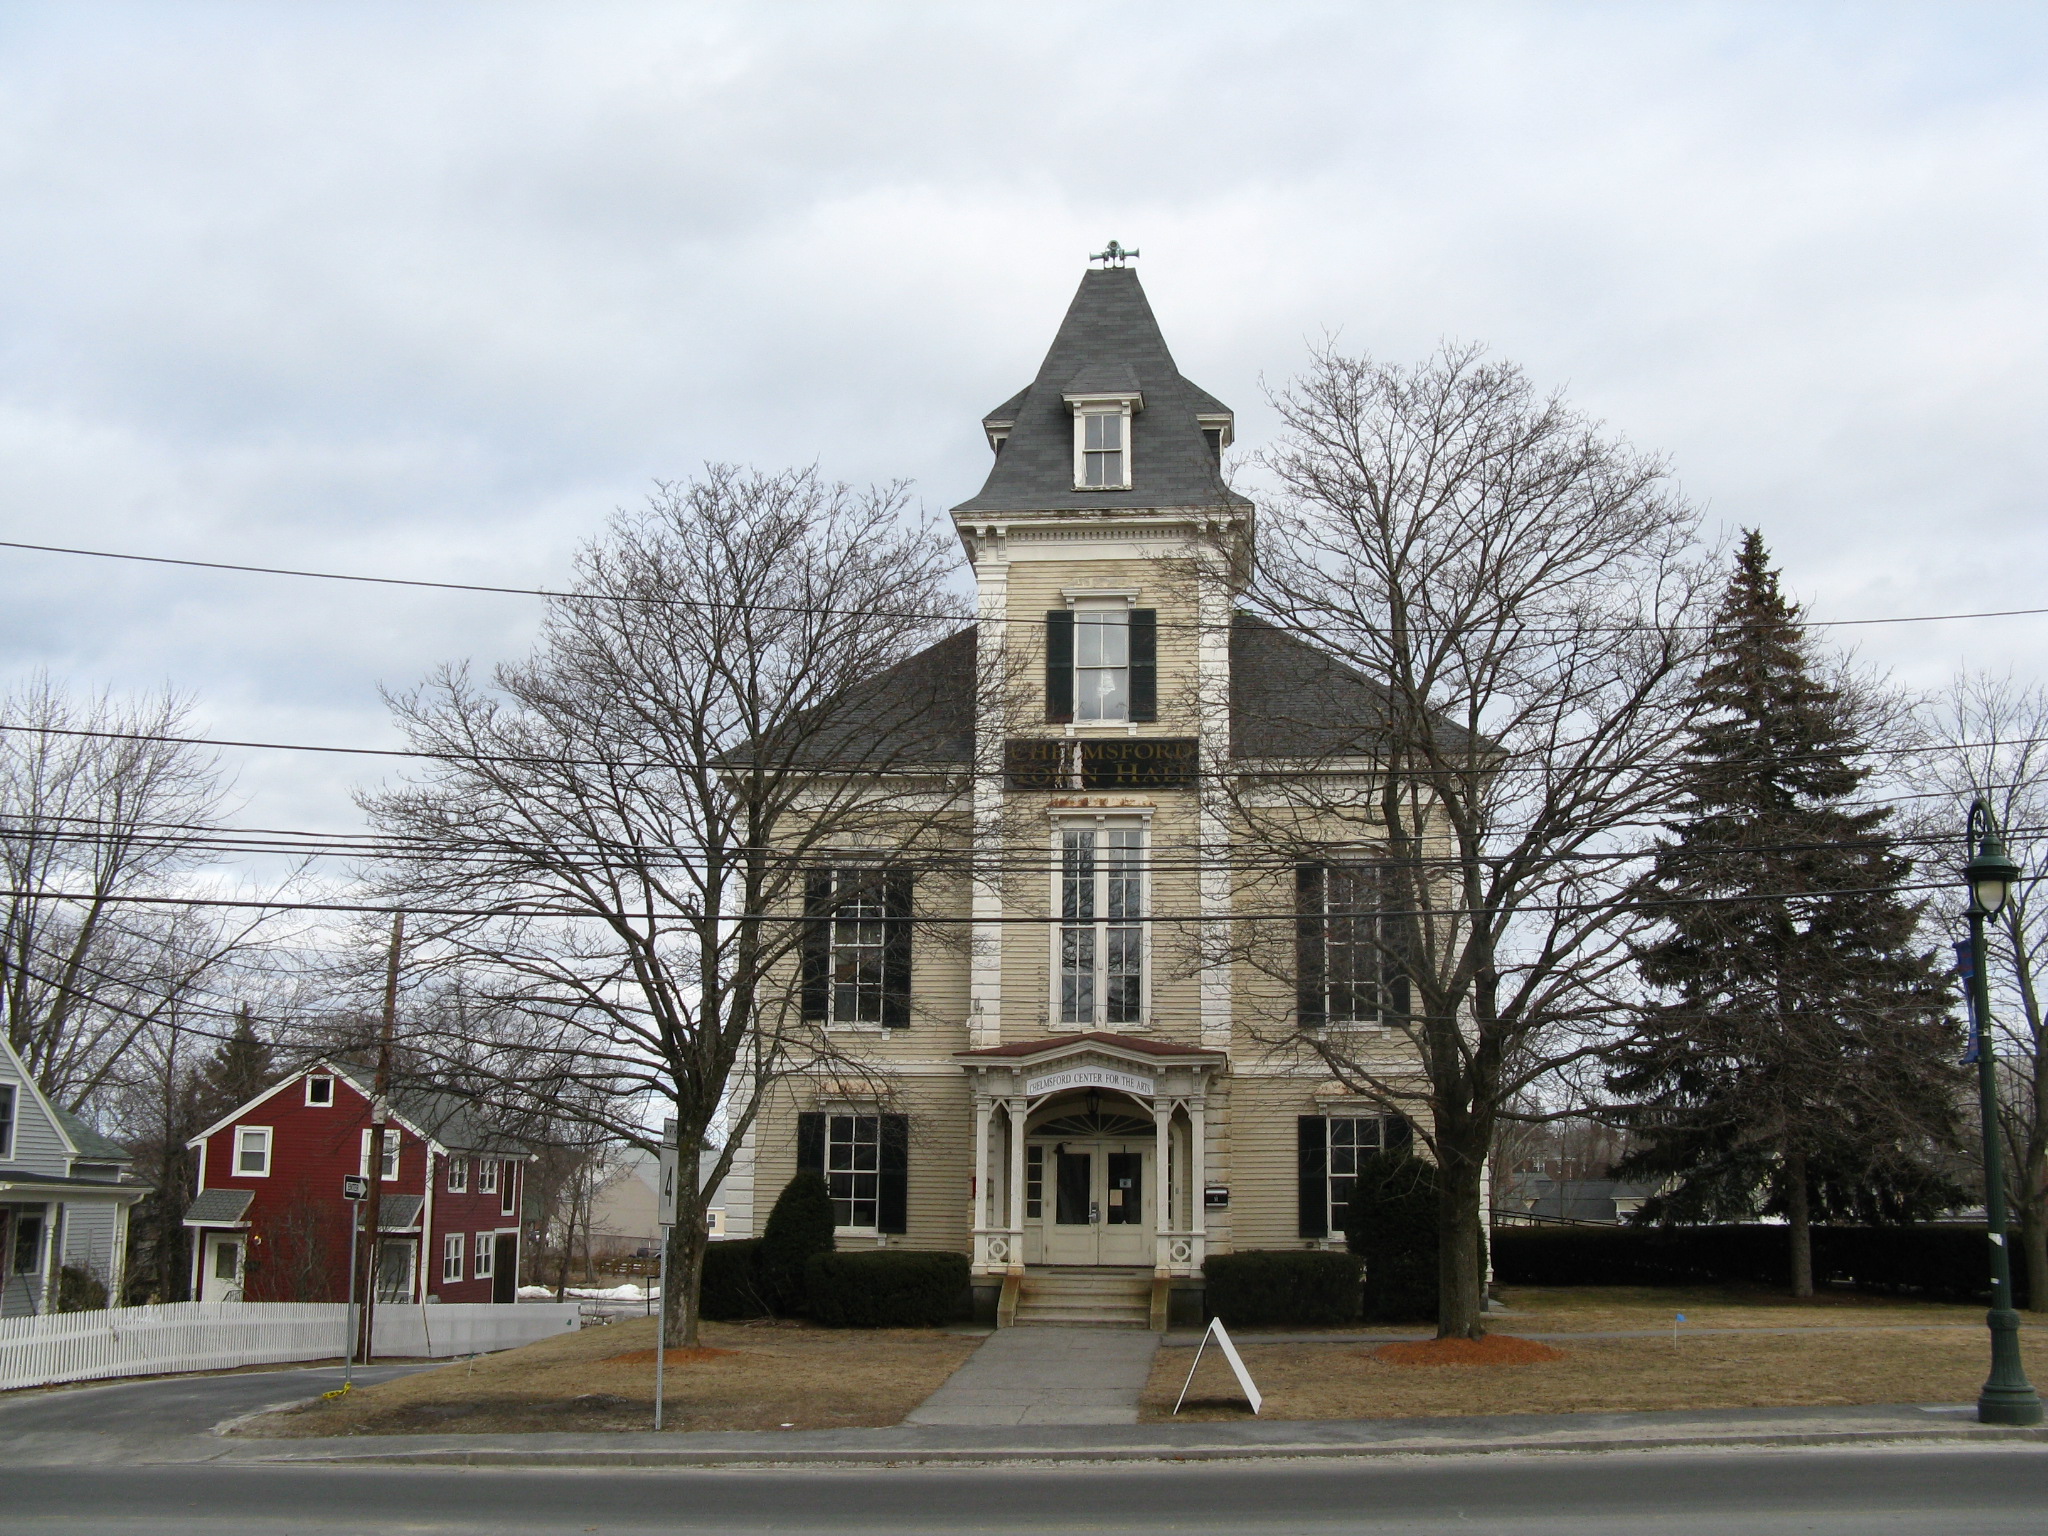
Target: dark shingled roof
x,y
1108,342
217,1207
92,1146
449,1118
1288,699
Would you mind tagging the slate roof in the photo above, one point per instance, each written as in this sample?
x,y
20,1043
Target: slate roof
x,y
397,1212
218,1207
1288,699
1109,341
449,1118
92,1146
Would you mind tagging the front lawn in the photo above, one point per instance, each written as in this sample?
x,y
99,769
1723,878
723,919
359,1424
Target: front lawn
x,y
765,1376
1914,1354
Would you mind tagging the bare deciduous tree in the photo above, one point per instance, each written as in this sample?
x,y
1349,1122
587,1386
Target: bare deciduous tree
x,y
1989,737
1526,596
632,809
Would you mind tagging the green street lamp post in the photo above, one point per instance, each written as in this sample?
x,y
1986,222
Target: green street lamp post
x,y
2008,1397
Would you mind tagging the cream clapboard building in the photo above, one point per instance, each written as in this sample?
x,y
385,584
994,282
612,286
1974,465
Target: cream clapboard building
x,y
1056,1087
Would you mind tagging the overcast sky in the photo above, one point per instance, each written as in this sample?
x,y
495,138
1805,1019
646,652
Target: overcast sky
x,y
429,289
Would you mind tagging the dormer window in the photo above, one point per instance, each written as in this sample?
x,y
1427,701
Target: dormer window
x,y
1102,450
1102,432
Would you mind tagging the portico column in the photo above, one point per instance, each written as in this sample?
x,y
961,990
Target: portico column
x,y
1016,1111
1162,1200
983,1106
1198,1171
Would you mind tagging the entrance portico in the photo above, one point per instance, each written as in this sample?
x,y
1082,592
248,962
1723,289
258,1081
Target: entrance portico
x,y
1089,1151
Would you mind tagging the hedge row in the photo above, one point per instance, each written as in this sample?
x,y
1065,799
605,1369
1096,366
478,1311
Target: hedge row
x,y
872,1288
1282,1287
1942,1263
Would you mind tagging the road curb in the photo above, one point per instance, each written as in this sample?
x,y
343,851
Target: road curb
x,y
887,1456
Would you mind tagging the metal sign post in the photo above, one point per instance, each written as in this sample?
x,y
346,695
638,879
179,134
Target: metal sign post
x,y
665,1216
354,1187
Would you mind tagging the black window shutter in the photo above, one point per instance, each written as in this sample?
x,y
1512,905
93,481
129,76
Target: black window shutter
x,y
892,1189
1059,666
816,946
1144,664
810,1143
1395,926
1310,1007
1312,1160
1396,1134
896,949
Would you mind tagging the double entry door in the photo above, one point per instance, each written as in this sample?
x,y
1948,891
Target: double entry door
x,y
1096,1205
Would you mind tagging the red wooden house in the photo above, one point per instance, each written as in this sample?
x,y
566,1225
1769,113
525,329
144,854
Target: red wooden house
x,y
270,1222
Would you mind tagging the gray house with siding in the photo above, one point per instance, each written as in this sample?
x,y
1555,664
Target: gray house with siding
x,y
65,1196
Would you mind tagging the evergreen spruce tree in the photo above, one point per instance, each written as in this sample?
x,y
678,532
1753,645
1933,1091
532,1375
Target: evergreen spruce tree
x,y
1800,1059
241,1068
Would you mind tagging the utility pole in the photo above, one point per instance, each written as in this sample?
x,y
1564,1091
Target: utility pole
x,y
380,1112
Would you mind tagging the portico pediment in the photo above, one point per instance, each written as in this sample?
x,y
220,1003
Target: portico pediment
x,y
1127,1064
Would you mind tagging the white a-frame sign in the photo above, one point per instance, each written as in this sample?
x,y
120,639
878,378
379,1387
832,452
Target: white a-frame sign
x,y
1244,1377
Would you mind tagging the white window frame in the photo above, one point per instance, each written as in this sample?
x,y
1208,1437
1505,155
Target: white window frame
x,y
873,882
1100,924
1366,909
451,1258
458,1175
10,1107
325,1081
1336,1208
485,1265
1121,409
242,1133
851,1170
487,1175
508,1189
391,1154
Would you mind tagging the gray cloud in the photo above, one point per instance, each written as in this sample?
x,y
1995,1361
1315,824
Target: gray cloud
x,y
430,290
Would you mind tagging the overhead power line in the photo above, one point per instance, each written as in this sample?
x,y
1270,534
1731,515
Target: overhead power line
x,y
814,610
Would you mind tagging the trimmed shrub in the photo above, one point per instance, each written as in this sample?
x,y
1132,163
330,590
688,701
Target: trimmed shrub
x,y
1264,1288
80,1290
1941,1263
732,1282
799,1228
887,1288
1391,1225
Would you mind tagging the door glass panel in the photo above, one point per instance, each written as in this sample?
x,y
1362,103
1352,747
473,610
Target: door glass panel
x,y
227,1260
1126,1188
1071,1205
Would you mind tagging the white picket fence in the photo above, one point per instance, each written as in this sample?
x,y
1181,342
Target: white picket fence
x,y
219,1335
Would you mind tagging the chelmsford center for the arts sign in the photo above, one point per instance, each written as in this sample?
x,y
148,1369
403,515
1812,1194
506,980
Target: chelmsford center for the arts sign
x,y
1090,1077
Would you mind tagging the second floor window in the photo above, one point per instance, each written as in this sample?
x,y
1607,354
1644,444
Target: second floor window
x,y
6,1122
458,1175
1101,935
252,1150
856,946
1347,963
390,1151
487,1176
1102,665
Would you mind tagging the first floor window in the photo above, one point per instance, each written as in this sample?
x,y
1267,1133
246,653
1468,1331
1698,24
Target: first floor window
x,y
451,1257
458,1175
487,1176
486,1255
252,1150
864,1159
1331,1148
1101,937
28,1242
1034,1182
1347,966
853,1164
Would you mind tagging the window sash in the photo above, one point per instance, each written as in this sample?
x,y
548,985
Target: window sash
x,y
252,1151
390,1169
458,1175
1102,448
451,1257
320,1092
487,1176
1101,937
859,946
853,1170
486,1265
1102,665
6,1122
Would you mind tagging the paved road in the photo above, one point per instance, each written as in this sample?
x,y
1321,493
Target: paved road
x,y
1920,1492
170,1405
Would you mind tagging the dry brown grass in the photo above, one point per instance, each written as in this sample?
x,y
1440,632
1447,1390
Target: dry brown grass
x,y
1913,1355
762,1377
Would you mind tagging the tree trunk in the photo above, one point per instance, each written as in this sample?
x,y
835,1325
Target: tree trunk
x,y
1461,1301
2034,1246
682,1295
1799,1214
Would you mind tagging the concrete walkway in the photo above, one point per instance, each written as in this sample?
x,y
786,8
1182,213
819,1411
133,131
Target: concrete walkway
x,y
1046,1376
